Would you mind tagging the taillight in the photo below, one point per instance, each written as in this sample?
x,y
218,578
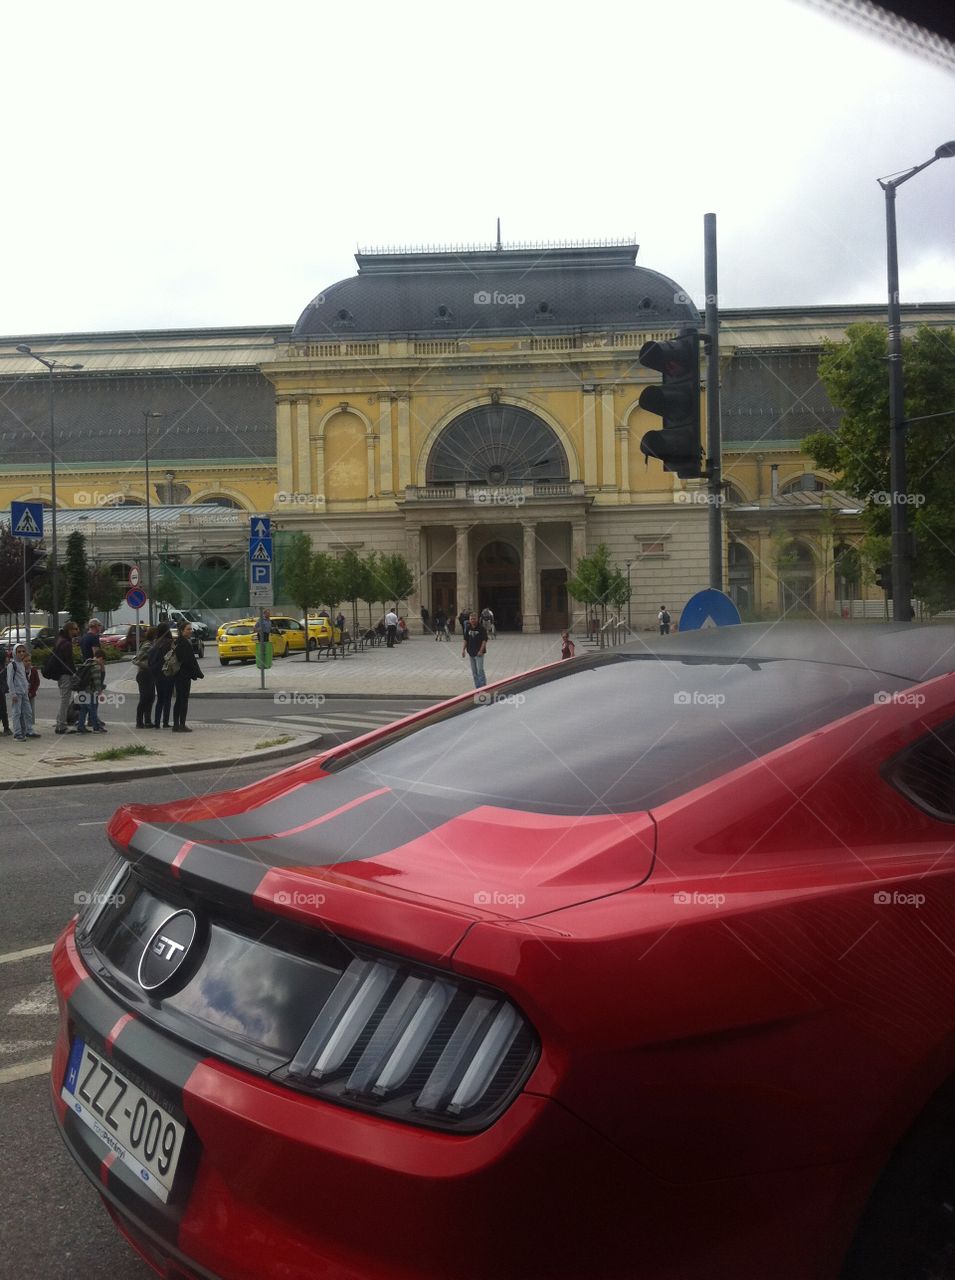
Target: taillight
x,y
418,1046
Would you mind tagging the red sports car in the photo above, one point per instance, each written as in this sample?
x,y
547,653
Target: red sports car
x,y
637,966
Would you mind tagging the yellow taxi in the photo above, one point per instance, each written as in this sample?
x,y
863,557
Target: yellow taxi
x,y
322,631
236,642
292,629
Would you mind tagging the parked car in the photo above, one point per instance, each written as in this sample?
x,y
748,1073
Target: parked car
x,y
40,637
236,642
322,631
293,630
115,638
178,617
639,965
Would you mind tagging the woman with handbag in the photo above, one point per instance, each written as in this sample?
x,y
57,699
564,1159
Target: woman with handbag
x,y
187,670
160,651
146,682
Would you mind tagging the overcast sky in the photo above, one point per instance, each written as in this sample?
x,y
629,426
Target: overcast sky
x,y
218,163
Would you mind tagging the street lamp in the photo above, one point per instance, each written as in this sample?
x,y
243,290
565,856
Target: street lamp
x,y
50,365
898,480
147,414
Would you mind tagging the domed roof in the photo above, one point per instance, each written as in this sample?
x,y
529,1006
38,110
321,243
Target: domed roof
x,y
536,291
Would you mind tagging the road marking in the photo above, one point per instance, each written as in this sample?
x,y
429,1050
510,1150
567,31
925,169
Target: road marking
x,y
41,1000
39,1067
100,822
20,1046
11,956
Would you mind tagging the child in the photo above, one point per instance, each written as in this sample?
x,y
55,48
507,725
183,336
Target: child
x,y
91,680
566,645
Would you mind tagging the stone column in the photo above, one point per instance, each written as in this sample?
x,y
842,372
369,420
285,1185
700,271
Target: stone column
x,y
413,537
530,580
404,442
590,438
578,549
623,435
319,486
384,443
303,461
370,439
462,565
609,458
283,445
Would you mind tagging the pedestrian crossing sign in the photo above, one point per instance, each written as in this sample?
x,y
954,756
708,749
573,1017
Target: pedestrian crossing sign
x,y
26,520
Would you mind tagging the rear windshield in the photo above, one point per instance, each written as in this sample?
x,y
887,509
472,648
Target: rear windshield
x,y
619,735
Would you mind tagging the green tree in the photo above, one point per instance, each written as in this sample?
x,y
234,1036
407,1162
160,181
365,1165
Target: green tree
x,y
106,592
598,583
396,578
375,583
855,376
302,579
168,591
76,570
353,581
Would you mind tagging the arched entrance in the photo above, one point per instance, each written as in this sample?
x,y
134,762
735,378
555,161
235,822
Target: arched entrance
x,y
499,584
797,580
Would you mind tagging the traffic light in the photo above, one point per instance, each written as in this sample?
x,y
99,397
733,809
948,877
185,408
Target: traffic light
x,y
883,578
677,401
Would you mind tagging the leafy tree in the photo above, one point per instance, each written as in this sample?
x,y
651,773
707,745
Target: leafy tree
x,y
598,583
375,583
302,578
397,578
855,376
106,592
328,579
11,572
77,573
353,581
168,591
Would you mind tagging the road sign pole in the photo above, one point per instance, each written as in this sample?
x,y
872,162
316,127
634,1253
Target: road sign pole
x,y
261,649
26,596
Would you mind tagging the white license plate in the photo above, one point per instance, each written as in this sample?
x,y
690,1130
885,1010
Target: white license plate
x,y
142,1133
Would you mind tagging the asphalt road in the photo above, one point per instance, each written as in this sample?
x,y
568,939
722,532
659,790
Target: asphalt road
x,y
53,847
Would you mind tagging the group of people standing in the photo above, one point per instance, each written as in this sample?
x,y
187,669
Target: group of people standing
x,y
165,665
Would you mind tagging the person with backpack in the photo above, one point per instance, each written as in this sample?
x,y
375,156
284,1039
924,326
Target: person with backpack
x,y
663,617
183,657
145,681
20,678
88,686
161,648
61,667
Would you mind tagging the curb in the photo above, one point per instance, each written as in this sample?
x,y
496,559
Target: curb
x,y
156,770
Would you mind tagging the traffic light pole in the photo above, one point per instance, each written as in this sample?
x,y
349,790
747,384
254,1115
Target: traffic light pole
x,y
714,445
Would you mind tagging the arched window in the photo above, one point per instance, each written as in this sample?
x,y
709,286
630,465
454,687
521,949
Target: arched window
x,y
807,483
733,495
497,444
219,500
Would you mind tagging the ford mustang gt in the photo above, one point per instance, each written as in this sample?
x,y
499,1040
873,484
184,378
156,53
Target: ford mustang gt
x,y
636,967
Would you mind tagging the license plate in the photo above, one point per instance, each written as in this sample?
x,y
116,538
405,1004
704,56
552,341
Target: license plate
x,y
142,1133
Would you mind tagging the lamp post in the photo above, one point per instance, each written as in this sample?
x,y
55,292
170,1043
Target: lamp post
x,y
898,479
147,414
50,365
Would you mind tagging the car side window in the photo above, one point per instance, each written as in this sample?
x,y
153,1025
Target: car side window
x,y
925,773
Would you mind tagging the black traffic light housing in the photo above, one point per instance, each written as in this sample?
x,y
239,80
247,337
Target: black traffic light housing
x,y
676,400
883,578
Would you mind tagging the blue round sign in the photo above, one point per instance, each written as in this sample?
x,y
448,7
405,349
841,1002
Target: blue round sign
x,y
135,597
709,608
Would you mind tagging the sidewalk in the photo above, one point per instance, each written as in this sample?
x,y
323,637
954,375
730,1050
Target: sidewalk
x,y
58,759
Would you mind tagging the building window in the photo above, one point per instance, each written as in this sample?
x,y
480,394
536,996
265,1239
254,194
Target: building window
x,y
497,444
807,483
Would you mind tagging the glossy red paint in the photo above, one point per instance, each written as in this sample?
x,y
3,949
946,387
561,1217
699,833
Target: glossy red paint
x,y
736,1029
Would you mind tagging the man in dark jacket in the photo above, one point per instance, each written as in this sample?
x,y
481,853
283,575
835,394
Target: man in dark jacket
x,y
189,670
90,639
5,658
66,669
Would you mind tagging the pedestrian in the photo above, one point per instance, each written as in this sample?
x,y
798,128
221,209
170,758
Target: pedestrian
x,y
33,680
663,617
487,622
340,622
263,627
391,627
463,618
161,647
402,632
4,689
62,669
131,643
90,683
425,620
566,645
19,672
475,646
145,681
90,638
188,670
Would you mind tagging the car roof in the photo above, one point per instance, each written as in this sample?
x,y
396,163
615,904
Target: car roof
x,y
908,650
